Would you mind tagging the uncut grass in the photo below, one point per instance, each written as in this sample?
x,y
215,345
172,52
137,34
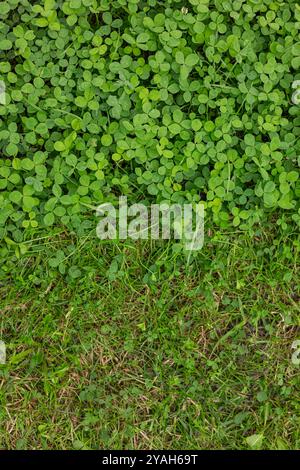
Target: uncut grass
x,y
142,352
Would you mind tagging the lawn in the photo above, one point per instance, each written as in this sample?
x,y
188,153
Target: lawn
x,y
130,348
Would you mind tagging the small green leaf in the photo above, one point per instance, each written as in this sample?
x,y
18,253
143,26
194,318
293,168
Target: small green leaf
x,y
49,219
106,140
255,441
59,146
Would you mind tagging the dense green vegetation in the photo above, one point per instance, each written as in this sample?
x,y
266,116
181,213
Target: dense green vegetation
x,y
159,100
126,345
138,352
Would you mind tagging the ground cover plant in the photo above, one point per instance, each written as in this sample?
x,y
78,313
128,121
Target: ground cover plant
x,y
125,344
179,101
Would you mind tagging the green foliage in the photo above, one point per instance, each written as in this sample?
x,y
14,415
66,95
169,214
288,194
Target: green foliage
x,y
117,346
179,101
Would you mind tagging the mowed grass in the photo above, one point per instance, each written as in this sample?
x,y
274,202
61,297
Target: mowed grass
x,y
124,346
